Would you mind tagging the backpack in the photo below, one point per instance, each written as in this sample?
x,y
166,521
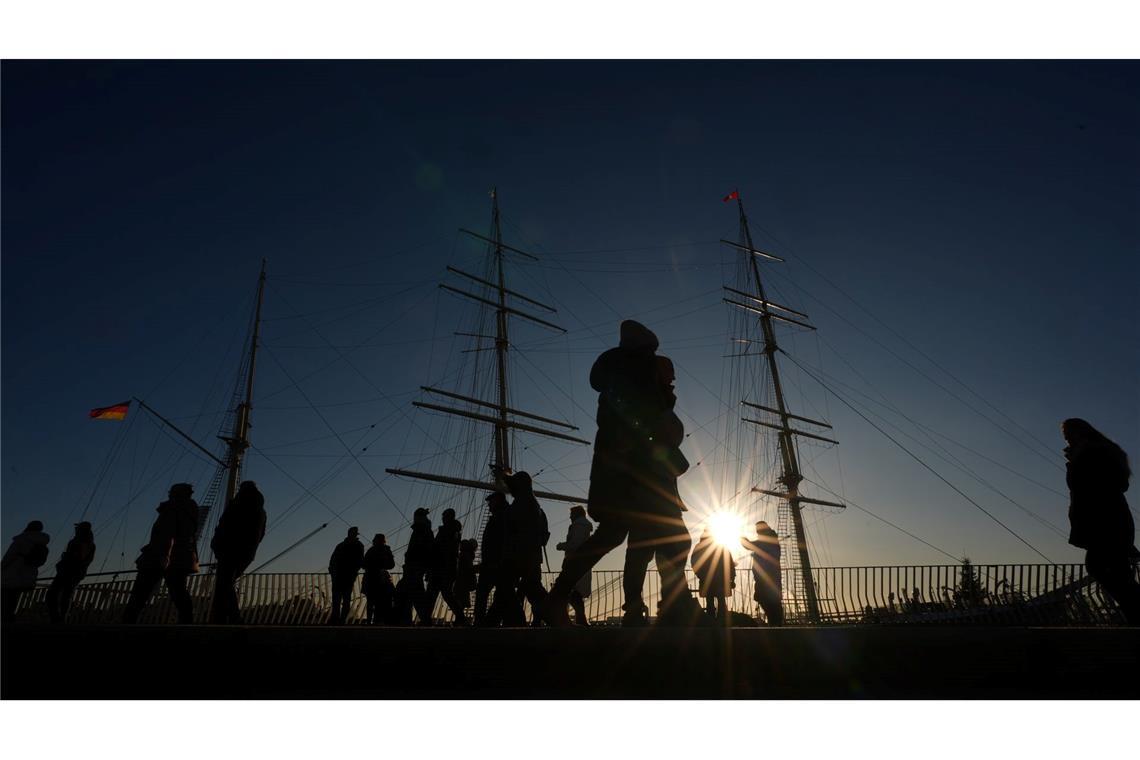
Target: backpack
x,y
37,555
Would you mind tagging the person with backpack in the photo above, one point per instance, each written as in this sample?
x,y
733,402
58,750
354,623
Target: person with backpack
x,y
630,403
69,571
344,565
240,530
171,556
377,584
21,565
526,532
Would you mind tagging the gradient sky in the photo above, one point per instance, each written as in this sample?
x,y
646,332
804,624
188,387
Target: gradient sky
x,y
980,216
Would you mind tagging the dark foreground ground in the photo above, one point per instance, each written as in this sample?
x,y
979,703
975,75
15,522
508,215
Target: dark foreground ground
x,y
110,662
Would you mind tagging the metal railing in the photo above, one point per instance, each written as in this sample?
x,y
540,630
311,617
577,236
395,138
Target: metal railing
x,y
912,594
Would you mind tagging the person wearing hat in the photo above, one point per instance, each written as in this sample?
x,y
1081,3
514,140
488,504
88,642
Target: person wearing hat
x,y
576,535
377,584
344,565
410,591
240,530
491,561
69,571
766,577
170,556
21,565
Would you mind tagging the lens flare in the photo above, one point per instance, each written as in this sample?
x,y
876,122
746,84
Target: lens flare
x,y
726,528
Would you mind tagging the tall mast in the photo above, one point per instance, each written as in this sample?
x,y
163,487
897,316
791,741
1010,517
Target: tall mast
x,y
790,476
239,441
504,418
502,438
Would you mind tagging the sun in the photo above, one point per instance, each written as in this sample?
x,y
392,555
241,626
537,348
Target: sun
x,y
726,528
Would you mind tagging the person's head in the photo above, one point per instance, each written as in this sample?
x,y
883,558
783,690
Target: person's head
x,y
247,486
761,527
83,529
496,500
637,336
420,515
577,512
379,539
519,484
181,491
448,515
353,532
35,526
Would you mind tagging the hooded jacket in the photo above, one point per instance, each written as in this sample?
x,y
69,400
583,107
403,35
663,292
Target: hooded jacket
x,y
16,572
240,528
419,552
76,558
445,549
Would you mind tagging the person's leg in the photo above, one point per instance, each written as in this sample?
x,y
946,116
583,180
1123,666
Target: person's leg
x,y
638,552
55,614
671,551
772,605
607,537
578,604
222,606
1113,571
530,584
482,592
180,596
145,583
11,602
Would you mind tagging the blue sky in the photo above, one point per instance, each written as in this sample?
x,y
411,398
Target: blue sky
x,y
980,216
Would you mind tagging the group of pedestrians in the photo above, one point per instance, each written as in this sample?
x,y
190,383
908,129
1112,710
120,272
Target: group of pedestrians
x,y
633,497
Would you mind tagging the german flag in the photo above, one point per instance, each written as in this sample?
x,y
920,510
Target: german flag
x,y
116,412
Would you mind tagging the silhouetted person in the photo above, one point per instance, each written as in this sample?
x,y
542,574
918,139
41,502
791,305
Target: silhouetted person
x,y
491,560
344,565
445,565
69,571
377,584
576,535
21,565
526,533
410,590
1097,473
767,581
656,525
465,581
236,538
714,567
171,556
629,404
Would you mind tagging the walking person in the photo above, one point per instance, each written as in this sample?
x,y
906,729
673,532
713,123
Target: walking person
x,y
377,584
410,592
767,582
629,403
576,535
445,565
236,538
344,565
526,531
491,562
171,556
21,565
69,571
1097,473
716,571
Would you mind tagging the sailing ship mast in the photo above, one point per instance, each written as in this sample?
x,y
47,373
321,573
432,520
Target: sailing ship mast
x,y
790,476
504,418
238,442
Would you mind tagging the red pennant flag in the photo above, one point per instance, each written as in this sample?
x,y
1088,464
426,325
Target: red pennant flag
x,y
735,194
116,412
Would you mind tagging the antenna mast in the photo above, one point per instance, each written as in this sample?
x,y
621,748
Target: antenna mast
x,y
790,476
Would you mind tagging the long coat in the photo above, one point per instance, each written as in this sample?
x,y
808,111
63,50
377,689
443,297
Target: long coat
x,y
1099,518
17,573
576,535
240,529
714,567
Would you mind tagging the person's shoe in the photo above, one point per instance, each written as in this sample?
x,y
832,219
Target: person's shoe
x,y
634,619
685,612
554,611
